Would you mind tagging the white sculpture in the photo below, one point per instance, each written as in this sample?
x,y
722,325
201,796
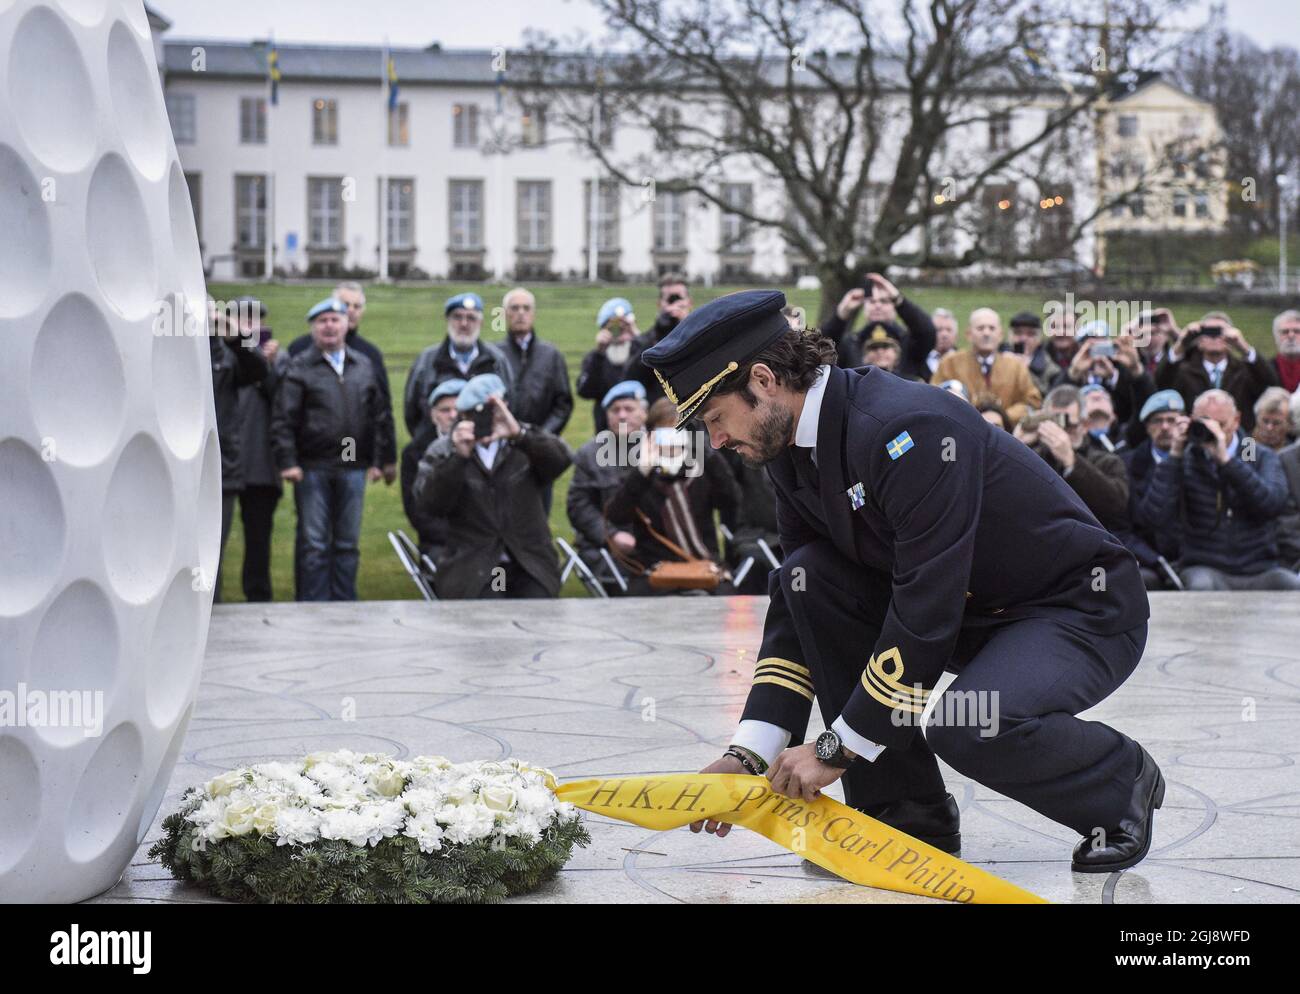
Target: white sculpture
x,y
110,473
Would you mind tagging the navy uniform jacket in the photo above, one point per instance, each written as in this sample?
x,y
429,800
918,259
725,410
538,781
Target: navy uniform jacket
x,y
975,529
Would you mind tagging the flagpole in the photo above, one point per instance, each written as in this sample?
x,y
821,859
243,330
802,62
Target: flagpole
x,y
385,82
272,70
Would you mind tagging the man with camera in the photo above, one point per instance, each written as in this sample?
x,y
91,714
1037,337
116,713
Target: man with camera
x,y
1224,492
1059,434
1152,537
885,307
488,478
1201,358
674,305
430,529
605,366
1027,346
1112,362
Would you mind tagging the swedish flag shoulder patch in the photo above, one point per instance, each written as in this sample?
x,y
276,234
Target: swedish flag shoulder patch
x,y
899,445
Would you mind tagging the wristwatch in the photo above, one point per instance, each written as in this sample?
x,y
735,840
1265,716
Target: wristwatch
x,y
830,750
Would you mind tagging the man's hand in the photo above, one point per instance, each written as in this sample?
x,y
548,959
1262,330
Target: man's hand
x,y
293,474
798,772
1058,443
626,543
1179,349
390,473
1218,448
1179,440
462,438
850,303
1027,435
1126,354
1082,361
504,425
887,288
678,308
270,349
727,764
604,338
1236,340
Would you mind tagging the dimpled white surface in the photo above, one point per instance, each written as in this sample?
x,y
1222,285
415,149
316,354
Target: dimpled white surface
x,y
110,471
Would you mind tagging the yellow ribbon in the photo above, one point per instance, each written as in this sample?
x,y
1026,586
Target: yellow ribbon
x,y
835,837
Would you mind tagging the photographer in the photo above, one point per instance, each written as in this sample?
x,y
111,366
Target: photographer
x,y
674,305
430,529
1027,346
671,495
605,366
1226,493
1058,434
885,306
1200,359
1151,537
488,478
1112,362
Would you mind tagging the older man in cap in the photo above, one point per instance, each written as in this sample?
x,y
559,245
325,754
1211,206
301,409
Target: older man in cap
x,y
488,478
331,429
919,538
431,528
599,468
461,355
1027,346
1153,540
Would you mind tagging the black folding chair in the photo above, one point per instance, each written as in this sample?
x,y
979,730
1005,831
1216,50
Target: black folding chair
x,y
417,565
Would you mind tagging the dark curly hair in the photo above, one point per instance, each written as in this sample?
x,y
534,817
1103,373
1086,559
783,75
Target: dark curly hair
x,y
793,359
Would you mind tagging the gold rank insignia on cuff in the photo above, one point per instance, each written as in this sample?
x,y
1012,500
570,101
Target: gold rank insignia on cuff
x,y
883,680
784,673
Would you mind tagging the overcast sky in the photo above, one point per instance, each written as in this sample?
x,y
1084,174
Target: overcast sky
x,y
482,24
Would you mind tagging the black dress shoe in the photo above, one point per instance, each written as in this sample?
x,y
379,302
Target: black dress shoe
x,y
1126,845
934,822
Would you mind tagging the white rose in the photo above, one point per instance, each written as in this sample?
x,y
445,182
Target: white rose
x,y
224,784
238,818
386,782
497,798
264,819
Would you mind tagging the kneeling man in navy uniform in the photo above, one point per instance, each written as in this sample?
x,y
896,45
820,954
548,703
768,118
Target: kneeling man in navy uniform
x,y
918,538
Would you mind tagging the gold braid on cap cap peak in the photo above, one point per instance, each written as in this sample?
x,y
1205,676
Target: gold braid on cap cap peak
x,y
704,388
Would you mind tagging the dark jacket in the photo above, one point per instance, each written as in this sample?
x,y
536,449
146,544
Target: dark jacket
x,y
1228,513
1149,533
1288,523
598,374
234,365
435,365
492,512
1245,381
430,529
372,352
918,340
326,421
256,404
541,395
592,487
950,506
1099,477
713,489
639,371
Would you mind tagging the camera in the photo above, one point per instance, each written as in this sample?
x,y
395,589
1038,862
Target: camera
x,y
482,418
1032,421
1199,432
1212,330
672,298
1100,349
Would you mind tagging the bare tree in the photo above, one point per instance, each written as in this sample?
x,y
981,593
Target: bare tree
x,y
872,134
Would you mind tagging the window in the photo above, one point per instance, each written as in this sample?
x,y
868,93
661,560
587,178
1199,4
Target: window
x,y
1180,205
1000,209
325,122
399,129
1128,126
401,213
670,221
607,234
667,123
1189,125
999,132
324,212
533,215
194,182
1202,205
1137,207
250,211
606,128
534,125
180,111
466,213
464,125
252,121
736,230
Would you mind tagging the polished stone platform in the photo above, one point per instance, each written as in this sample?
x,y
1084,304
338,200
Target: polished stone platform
x,y
598,688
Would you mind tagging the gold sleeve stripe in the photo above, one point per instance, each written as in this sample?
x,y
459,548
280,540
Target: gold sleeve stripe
x,y
884,682
787,684
785,664
893,699
784,675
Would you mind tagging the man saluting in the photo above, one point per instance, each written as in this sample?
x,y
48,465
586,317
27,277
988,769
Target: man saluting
x,y
918,538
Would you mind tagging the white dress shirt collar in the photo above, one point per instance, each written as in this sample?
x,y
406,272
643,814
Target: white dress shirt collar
x,y
805,432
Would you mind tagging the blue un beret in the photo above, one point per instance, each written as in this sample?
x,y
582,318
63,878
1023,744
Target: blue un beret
x,y
628,388
478,390
614,307
1161,401
328,304
713,342
469,301
447,388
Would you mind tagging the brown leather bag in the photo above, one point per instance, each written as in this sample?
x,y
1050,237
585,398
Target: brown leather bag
x,y
690,574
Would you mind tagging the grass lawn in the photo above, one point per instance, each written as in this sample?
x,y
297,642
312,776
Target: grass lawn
x,y
403,320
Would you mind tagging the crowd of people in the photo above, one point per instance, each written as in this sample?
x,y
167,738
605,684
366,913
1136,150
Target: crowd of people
x,y
1180,440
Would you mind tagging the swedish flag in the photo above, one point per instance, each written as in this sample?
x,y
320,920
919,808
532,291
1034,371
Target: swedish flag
x,y
899,445
273,72
392,83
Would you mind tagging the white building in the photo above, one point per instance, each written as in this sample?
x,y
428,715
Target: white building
x,y
330,153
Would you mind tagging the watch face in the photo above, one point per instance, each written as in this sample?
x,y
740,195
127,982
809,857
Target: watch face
x,y
828,744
